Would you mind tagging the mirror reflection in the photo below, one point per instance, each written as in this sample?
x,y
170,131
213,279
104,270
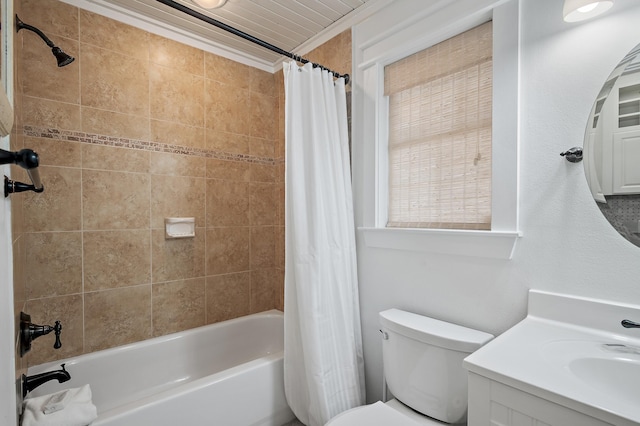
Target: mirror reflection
x,y
612,148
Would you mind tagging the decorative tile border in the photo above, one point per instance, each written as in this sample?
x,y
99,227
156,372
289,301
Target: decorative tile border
x,y
91,138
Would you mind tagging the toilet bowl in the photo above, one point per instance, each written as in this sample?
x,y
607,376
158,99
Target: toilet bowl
x,y
422,360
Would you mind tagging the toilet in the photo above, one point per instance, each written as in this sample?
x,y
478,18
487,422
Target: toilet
x,y
422,360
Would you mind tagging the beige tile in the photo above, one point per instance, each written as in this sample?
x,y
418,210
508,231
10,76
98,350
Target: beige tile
x,y
261,112
335,54
178,306
115,200
54,152
227,71
117,317
227,250
279,247
51,114
260,147
226,108
228,170
177,164
177,196
176,259
263,290
53,264
172,54
280,171
279,289
67,310
263,172
115,159
263,247
228,296
172,133
225,142
119,38
263,203
280,148
19,272
280,203
262,82
115,124
116,259
17,216
114,82
40,72
227,203
54,18
58,207
176,96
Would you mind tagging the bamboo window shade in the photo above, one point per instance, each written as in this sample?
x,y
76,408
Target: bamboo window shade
x,y
440,102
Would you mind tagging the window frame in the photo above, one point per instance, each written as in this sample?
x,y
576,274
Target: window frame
x,y
370,129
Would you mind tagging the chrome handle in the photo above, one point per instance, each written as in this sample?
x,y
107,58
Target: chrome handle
x,y
385,335
630,324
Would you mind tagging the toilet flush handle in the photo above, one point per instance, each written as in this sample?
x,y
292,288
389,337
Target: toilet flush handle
x,y
385,335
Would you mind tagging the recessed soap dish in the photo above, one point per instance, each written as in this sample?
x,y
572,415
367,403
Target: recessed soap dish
x,y
179,227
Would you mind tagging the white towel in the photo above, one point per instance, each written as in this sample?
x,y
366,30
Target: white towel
x,y
75,409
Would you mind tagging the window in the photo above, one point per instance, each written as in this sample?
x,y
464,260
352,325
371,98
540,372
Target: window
x,y
440,131
397,32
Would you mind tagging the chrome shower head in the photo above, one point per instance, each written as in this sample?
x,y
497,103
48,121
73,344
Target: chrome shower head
x,y
62,58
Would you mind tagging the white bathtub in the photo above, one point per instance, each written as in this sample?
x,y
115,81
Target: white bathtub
x,y
224,374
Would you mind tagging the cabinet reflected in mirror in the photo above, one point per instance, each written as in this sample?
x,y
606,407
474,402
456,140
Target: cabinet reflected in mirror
x,y
612,148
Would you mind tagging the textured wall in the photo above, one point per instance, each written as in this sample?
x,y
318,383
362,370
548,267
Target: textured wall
x,y
137,129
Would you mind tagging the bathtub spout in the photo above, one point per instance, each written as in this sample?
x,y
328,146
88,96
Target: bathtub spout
x,y
31,382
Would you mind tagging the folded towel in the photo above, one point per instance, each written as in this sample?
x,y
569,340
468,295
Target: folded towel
x,y
71,407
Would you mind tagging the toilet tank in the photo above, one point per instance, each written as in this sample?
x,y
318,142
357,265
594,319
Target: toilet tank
x,y
422,360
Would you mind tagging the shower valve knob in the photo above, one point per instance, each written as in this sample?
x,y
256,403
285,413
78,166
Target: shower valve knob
x,y
57,329
30,332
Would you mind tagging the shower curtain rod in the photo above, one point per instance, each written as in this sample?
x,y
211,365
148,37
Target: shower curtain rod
x,y
235,31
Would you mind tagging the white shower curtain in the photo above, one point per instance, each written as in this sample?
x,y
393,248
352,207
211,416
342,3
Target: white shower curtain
x,y
323,363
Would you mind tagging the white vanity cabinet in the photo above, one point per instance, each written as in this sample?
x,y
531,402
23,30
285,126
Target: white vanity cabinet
x,y
492,403
570,362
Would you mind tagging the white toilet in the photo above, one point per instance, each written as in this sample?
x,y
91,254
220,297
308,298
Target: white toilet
x,y
422,360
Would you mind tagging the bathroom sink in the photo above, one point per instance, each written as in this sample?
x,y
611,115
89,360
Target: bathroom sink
x,y
612,369
572,351
616,377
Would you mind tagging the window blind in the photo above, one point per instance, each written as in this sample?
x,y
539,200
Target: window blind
x,y
440,102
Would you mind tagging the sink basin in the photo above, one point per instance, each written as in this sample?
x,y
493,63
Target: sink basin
x,y
617,377
612,369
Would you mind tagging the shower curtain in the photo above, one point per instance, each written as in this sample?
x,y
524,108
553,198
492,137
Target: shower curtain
x,y
323,363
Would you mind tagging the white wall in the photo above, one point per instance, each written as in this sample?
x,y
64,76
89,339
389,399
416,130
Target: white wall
x,y
566,245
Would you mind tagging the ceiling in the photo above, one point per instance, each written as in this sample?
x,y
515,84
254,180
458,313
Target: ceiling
x,y
296,26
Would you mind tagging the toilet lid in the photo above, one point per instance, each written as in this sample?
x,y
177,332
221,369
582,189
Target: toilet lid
x,y
378,414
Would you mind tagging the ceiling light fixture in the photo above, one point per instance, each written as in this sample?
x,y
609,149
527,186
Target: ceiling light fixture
x,y
210,4
580,10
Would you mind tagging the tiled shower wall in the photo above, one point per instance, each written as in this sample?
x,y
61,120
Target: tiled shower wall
x,y
137,129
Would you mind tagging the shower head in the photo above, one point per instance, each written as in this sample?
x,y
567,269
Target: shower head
x,y
62,58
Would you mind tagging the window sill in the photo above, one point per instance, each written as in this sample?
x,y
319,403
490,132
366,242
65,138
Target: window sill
x,y
486,244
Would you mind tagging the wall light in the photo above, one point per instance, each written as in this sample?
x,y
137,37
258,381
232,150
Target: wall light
x,y
580,10
210,4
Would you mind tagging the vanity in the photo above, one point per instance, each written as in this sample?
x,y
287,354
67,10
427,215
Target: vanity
x,y
570,362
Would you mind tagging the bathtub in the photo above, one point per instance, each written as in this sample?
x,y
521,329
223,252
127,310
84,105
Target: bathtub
x,y
224,374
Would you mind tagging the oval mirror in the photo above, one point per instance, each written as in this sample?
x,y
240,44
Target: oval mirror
x,y
612,148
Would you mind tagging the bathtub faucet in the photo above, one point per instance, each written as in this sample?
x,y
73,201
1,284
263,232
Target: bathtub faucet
x,y
31,382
